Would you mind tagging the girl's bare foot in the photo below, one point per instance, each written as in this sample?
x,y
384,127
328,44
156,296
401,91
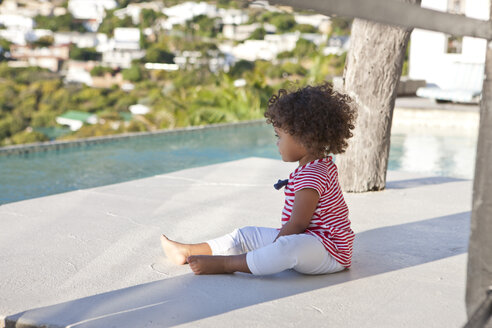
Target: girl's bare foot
x,y
204,264
175,251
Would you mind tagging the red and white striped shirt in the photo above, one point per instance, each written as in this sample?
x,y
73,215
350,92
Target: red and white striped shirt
x,y
330,223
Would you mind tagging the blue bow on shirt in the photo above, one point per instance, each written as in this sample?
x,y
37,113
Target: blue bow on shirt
x,y
280,184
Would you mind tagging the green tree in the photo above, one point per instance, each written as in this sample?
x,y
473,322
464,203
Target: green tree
x,y
83,54
44,41
135,73
258,34
122,100
283,22
8,96
100,70
231,4
405,68
193,77
56,102
158,54
290,68
11,125
4,48
304,48
109,116
340,26
219,102
62,23
305,28
43,118
261,16
148,17
143,42
5,128
93,130
125,3
240,67
136,126
111,22
90,99
337,63
28,137
27,75
326,67
203,26
285,54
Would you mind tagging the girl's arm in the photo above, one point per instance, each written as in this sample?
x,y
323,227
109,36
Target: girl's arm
x,y
305,202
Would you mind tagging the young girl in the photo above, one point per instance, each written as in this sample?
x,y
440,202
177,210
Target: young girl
x,y
315,237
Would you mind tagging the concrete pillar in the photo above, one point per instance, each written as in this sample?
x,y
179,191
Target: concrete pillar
x,y
479,276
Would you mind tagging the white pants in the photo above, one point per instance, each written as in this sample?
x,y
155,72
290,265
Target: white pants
x,y
303,253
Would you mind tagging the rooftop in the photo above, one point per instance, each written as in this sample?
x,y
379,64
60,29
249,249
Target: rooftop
x,y
76,115
91,258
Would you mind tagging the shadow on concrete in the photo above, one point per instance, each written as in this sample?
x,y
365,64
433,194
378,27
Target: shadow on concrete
x,y
412,183
187,298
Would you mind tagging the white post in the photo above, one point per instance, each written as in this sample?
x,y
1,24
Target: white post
x,y
480,247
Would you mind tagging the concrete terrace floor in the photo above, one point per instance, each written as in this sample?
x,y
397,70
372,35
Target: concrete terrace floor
x,y
92,258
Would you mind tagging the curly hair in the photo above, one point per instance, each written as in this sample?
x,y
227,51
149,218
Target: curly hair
x,y
319,117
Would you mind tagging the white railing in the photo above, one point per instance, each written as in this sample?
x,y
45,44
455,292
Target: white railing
x,y
394,12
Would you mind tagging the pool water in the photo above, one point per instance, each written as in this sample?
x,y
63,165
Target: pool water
x,y
434,155
39,174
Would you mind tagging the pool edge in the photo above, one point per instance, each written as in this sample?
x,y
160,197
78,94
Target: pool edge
x,y
54,145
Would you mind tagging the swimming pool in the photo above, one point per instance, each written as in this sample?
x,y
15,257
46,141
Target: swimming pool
x,y
36,174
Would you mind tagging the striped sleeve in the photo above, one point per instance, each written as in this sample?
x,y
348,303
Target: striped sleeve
x,y
313,176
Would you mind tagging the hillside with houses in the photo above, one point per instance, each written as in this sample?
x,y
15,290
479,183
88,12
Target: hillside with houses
x,y
80,68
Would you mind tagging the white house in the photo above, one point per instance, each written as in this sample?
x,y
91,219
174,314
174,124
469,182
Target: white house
x,y
127,38
121,58
123,48
189,58
266,49
233,16
34,35
75,119
316,38
263,4
179,14
50,58
139,109
17,22
239,83
78,75
337,45
446,61
14,35
321,22
27,8
130,10
90,9
242,32
284,42
78,71
81,40
255,49
91,12
188,10
219,63
134,9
